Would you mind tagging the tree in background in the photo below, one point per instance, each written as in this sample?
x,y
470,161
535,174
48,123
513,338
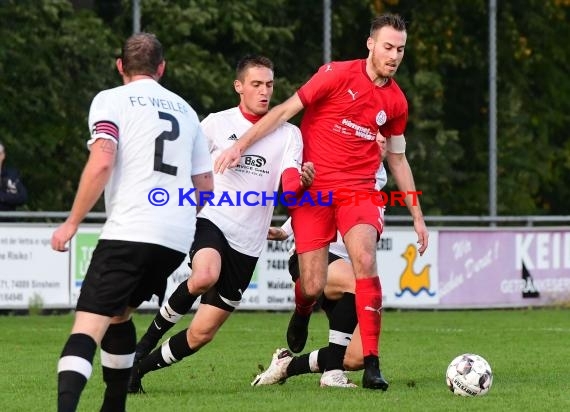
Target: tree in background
x,y
451,40
53,60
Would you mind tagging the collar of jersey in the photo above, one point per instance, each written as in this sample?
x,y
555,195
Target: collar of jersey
x,y
253,118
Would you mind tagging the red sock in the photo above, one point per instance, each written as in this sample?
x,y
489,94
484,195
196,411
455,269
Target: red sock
x,y
368,306
303,306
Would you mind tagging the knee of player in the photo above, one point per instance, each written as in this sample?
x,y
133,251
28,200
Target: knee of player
x,y
366,263
202,280
312,290
335,288
199,338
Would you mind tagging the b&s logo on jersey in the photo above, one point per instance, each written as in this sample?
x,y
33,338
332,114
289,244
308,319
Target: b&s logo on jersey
x,y
254,160
253,164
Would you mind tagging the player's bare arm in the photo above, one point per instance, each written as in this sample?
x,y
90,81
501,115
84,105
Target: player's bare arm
x,y
95,175
400,168
271,121
203,182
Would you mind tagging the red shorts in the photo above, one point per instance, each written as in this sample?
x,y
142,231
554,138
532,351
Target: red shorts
x,y
316,226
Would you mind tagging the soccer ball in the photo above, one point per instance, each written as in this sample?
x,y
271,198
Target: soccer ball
x,y
469,375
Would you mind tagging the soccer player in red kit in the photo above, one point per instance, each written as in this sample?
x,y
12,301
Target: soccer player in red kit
x,y
346,104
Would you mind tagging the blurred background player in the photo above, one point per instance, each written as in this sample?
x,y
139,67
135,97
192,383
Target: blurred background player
x,y
135,146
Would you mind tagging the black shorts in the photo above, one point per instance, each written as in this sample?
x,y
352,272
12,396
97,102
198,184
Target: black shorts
x,y
236,271
123,273
326,304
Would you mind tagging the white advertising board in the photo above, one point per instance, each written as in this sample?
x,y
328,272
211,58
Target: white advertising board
x,y
30,268
270,288
31,273
460,269
408,279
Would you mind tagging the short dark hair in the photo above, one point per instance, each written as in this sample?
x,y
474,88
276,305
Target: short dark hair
x,y
251,60
388,19
141,54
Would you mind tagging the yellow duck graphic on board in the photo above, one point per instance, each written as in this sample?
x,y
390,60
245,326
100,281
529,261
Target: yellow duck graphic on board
x,y
411,282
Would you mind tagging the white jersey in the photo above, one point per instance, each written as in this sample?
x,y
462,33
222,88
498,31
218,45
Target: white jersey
x,y
159,145
259,171
337,247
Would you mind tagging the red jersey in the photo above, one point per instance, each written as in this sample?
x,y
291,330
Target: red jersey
x,y
343,111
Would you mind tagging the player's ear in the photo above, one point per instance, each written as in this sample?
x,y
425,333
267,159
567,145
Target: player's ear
x,y
238,87
370,44
119,63
161,68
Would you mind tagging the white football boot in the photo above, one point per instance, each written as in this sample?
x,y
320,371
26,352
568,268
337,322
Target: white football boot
x,y
336,378
277,370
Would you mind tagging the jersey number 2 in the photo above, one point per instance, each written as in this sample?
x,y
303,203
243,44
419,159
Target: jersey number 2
x,y
159,165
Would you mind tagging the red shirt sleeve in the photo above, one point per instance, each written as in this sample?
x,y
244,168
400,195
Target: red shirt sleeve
x,y
318,86
291,182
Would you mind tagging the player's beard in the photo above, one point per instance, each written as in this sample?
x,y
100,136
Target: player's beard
x,y
381,74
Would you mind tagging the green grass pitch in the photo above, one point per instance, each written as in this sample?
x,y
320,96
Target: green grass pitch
x,y
529,351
